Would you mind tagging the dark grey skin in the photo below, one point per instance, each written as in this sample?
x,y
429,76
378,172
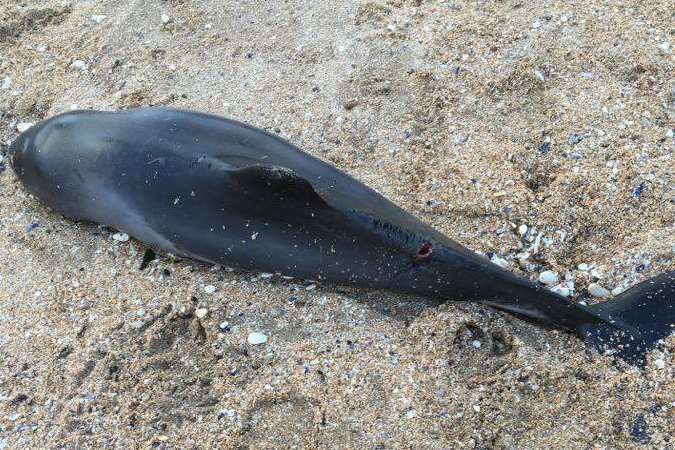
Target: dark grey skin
x,y
223,192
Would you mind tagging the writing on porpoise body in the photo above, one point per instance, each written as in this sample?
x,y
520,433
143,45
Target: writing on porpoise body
x,y
223,192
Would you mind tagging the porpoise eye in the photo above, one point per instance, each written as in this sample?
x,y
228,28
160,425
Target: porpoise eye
x,y
424,252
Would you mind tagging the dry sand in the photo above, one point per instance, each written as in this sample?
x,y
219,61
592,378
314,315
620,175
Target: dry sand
x,y
476,116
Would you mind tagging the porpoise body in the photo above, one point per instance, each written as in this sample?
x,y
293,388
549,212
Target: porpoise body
x,y
223,192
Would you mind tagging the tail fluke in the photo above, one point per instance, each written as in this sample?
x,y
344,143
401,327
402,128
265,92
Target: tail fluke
x,y
635,321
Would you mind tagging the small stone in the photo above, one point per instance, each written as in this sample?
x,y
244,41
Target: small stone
x,y
23,126
311,287
596,274
31,226
120,237
618,290
256,338
522,230
79,65
201,313
476,408
574,138
539,75
536,24
476,343
583,267
461,139
670,133
165,19
660,363
545,148
98,18
597,291
501,262
587,75
411,414
223,325
523,259
350,104
639,430
637,191
266,275
6,83
209,289
561,290
548,277
664,47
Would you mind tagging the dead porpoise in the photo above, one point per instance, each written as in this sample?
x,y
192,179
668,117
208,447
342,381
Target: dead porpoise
x,y
224,192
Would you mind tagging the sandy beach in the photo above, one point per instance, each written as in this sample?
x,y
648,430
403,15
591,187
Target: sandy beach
x,y
537,133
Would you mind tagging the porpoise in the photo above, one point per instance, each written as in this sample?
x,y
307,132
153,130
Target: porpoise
x,y
224,192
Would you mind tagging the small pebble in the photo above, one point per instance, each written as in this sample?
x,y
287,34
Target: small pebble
x,y
165,19
548,277
574,138
411,414
597,291
79,65
256,338
545,148
6,83
201,313
539,75
583,267
522,229
350,104
209,289
121,237
586,75
23,126
664,47
476,343
31,226
596,274
639,430
561,290
223,325
311,287
501,262
461,139
660,363
637,192
618,290
523,259
98,18
266,275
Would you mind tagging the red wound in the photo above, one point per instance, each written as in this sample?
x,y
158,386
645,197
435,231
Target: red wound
x,y
424,252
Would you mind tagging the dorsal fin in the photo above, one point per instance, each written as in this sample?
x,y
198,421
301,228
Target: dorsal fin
x,y
280,183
